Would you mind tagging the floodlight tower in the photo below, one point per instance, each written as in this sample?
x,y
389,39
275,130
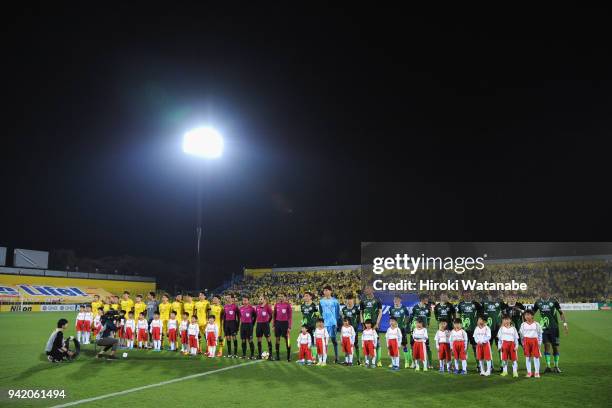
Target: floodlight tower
x,y
205,143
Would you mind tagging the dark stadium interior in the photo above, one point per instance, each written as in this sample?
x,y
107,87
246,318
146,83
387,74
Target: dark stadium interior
x,y
340,129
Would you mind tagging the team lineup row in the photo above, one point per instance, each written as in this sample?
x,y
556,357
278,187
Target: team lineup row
x,y
224,321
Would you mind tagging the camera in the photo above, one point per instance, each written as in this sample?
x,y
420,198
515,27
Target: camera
x,y
111,315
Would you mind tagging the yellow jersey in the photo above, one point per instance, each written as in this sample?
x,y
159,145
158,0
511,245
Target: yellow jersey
x,y
106,307
127,305
202,307
114,306
177,307
95,306
216,310
140,307
189,308
164,311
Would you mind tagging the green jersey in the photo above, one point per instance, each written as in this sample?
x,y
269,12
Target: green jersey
x,y
492,311
549,313
310,314
445,312
419,310
468,312
515,312
401,314
352,313
370,307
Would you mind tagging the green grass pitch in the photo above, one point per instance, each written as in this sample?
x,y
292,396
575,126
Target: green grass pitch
x,y
585,382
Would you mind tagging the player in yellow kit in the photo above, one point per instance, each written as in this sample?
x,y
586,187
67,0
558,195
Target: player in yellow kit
x,y
139,306
216,309
107,302
201,307
127,304
96,304
165,307
114,303
189,306
177,306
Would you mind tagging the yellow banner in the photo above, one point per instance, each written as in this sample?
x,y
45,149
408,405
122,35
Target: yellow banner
x,y
46,289
19,308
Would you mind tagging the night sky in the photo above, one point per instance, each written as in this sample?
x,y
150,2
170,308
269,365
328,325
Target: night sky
x,y
341,126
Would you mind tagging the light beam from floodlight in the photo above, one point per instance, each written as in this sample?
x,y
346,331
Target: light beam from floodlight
x,y
203,142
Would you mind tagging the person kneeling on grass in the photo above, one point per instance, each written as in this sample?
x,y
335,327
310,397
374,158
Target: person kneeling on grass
x,y
107,340
56,349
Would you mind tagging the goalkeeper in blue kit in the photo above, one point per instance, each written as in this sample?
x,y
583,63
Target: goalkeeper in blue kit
x,y
329,309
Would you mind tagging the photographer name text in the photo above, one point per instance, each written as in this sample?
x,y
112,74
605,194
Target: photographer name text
x,y
430,285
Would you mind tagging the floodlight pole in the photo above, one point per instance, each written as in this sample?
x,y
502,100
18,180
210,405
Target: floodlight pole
x,y
199,227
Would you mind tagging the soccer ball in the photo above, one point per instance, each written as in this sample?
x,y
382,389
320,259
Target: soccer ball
x,y
124,355
265,355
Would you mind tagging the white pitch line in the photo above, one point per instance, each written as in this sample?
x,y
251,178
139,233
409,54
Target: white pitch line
x,y
144,387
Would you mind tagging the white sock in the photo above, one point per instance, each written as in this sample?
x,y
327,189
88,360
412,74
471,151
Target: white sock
x,y
448,365
416,363
373,360
536,364
514,366
489,365
464,365
528,364
79,336
480,365
456,364
351,358
505,365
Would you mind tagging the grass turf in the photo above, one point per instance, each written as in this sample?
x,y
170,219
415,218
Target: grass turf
x,y
585,380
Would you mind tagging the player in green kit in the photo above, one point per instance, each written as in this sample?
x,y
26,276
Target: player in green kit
x,y
371,309
468,311
351,311
422,310
515,310
402,316
492,309
550,311
445,311
310,314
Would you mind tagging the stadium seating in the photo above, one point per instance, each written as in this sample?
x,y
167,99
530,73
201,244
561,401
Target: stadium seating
x,y
573,281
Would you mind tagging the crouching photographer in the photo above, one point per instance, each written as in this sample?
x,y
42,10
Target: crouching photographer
x,y
58,348
107,339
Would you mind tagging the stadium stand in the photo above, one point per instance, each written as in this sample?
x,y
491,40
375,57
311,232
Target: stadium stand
x,y
569,281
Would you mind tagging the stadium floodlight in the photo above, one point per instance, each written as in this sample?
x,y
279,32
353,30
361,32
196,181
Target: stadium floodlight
x,y
203,142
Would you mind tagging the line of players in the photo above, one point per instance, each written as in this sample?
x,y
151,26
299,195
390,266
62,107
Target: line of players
x,y
486,323
183,324
230,318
